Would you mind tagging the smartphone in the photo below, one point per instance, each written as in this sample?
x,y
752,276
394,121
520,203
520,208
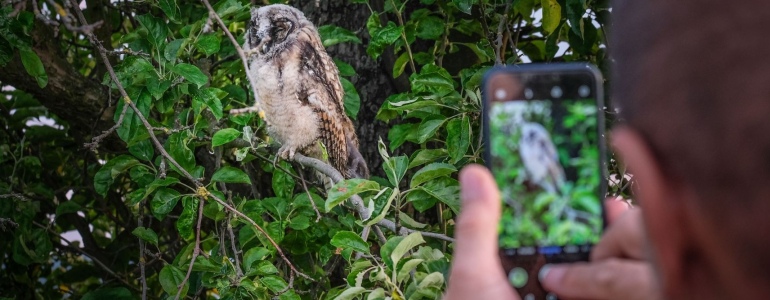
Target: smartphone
x,y
545,145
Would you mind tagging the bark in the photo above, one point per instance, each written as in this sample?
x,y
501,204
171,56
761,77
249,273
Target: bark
x,y
72,97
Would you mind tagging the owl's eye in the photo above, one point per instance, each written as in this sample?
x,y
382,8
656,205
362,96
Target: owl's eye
x,y
254,40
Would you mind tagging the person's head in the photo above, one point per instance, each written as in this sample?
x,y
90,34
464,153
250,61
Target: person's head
x,y
692,82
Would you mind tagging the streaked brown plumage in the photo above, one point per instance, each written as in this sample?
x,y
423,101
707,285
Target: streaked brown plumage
x,y
299,89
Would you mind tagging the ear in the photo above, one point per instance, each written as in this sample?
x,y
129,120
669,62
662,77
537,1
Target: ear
x,y
665,221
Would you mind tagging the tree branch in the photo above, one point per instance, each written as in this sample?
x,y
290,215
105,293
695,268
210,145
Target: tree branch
x,y
355,201
200,188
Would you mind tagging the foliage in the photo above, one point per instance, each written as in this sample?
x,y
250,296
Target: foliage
x,y
137,215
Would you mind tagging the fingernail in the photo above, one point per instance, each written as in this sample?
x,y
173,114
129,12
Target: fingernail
x,y
550,273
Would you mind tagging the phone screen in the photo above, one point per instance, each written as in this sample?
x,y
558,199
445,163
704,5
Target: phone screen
x,y
545,150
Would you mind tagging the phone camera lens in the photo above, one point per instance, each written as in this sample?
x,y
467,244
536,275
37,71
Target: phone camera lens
x,y
528,94
556,92
584,91
500,94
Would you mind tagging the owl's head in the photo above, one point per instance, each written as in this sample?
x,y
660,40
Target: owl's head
x,y
273,27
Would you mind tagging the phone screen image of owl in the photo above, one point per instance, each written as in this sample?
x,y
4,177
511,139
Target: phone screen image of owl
x,y
545,157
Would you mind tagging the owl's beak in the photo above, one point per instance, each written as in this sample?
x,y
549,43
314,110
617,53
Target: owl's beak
x,y
264,45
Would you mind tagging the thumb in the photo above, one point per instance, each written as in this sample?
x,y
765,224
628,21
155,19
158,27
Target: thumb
x,y
476,229
476,270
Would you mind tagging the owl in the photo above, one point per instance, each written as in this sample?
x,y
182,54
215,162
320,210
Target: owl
x,y
299,89
540,158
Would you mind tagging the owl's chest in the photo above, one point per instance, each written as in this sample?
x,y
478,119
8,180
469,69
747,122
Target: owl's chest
x,y
278,87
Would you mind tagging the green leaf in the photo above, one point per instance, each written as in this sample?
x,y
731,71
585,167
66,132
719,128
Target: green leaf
x,y
176,145
344,68
157,31
424,156
400,133
34,67
170,277
464,5
382,37
400,65
395,168
170,8
428,129
575,11
379,293
347,188
107,174
409,222
299,223
433,280
433,79
224,136
350,293
157,183
142,150
229,174
332,35
212,97
274,283
458,137
352,100
431,171
146,234
191,73
171,51
186,220
163,202
551,15
253,255
409,242
208,43
132,130
283,183
229,7
263,267
407,267
112,293
430,28
551,42
351,240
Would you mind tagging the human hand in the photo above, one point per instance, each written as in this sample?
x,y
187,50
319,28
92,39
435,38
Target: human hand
x,y
476,271
618,269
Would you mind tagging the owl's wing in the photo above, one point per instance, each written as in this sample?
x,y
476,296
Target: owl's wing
x,y
321,90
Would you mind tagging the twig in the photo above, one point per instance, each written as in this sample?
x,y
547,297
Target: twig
x,y
238,270
403,36
380,235
196,249
309,197
278,249
356,202
201,189
98,139
6,222
81,251
142,276
256,108
499,43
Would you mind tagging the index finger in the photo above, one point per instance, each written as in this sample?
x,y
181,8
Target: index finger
x,y
623,239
